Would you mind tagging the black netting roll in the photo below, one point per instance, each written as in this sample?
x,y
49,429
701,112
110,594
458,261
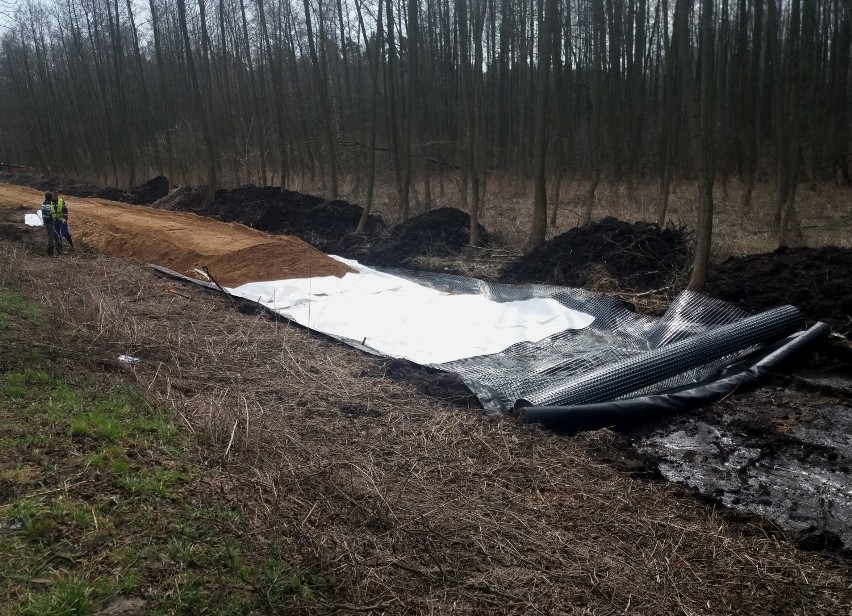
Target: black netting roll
x,y
632,374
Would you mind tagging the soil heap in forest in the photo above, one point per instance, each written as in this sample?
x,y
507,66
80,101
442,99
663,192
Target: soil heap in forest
x,y
182,199
69,188
326,225
818,281
442,232
639,256
149,192
144,194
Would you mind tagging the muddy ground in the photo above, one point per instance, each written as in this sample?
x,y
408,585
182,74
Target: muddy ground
x,y
780,452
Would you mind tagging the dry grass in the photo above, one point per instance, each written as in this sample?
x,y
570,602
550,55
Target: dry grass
x,y
404,503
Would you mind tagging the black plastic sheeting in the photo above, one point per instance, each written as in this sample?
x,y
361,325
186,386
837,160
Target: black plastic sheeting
x,y
613,381
576,418
621,355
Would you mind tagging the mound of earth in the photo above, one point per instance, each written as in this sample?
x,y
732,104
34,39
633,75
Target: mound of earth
x,y
111,193
182,199
326,225
68,188
30,179
147,193
233,254
152,190
440,233
818,281
45,184
639,256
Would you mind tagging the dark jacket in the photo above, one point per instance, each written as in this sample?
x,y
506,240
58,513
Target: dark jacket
x,y
46,213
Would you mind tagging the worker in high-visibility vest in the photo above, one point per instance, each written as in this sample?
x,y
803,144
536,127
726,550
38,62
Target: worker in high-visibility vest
x,y
59,212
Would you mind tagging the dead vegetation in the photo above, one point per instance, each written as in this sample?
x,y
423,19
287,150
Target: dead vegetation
x,y
405,503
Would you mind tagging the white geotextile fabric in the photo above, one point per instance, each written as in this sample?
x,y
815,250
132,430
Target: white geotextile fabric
x,y
399,318
34,220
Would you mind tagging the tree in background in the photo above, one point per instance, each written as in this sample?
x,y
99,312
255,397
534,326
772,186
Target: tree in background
x,y
334,92
706,138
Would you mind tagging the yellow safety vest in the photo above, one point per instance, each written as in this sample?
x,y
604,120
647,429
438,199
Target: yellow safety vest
x,y
57,210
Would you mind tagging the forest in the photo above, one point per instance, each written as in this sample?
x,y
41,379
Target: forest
x,y
226,92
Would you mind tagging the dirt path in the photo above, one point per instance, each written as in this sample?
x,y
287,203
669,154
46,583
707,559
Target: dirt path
x,y
233,253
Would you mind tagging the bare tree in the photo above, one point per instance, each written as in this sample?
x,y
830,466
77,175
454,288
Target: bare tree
x,y
199,103
459,86
706,178
547,13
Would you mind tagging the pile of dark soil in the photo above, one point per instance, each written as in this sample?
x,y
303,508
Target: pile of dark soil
x,y
327,225
110,193
68,188
147,193
639,256
439,233
818,281
45,184
152,190
182,199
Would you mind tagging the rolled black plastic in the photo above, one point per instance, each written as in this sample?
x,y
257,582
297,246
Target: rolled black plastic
x,y
572,419
635,373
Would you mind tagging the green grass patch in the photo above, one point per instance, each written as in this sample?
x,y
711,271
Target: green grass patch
x,y
99,425
100,502
14,308
70,597
284,583
18,385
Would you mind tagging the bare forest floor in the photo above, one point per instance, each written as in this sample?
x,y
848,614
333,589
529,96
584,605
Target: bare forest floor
x,y
280,471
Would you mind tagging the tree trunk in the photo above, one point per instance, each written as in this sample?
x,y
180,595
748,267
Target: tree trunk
x,y
164,92
320,78
371,166
598,36
675,85
199,103
143,87
704,214
278,92
538,232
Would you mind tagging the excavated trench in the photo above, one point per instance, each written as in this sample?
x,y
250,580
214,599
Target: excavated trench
x,y
782,452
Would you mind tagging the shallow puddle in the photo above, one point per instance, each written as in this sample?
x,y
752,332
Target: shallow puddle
x,y
781,453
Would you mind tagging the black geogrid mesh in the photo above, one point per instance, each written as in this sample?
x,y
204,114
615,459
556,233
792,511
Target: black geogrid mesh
x,y
546,372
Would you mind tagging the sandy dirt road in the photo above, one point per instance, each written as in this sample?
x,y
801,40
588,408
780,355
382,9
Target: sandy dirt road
x,y
233,253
